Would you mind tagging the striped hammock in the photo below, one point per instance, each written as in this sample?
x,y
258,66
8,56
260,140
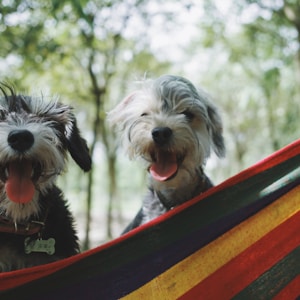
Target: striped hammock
x,y
239,240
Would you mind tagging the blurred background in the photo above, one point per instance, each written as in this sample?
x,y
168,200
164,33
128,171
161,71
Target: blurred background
x,y
245,53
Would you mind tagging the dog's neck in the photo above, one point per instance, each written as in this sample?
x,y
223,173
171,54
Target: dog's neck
x,y
27,227
184,190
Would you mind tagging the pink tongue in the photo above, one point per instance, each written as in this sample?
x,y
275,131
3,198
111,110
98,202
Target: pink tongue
x,y
19,186
164,167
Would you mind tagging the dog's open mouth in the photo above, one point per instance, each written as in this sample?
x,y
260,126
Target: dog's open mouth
x,y
19,177
164,165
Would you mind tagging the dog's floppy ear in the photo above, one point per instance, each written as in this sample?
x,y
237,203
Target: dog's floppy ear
x,y
77,146
216,130
119,114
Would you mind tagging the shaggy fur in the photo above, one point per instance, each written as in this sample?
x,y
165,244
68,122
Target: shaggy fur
x,y
35,137
172,127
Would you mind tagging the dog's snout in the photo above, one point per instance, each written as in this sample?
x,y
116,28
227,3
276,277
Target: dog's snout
x,y
20,140
161,135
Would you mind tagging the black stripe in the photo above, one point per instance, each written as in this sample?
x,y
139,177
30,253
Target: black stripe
x,y
274,280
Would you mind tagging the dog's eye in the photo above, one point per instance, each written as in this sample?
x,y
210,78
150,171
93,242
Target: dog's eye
x,y
144,114
188,115
3,114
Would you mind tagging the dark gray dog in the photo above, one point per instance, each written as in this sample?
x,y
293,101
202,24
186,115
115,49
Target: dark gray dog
x,y
36,226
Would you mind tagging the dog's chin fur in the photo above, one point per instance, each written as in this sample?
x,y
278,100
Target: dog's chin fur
x,y
180,187
35,139
19,212
194,131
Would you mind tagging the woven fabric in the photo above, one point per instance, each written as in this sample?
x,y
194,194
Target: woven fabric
x,y
239,240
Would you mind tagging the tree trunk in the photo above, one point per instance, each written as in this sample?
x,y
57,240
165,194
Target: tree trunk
x,y
88,218
98,94
111,193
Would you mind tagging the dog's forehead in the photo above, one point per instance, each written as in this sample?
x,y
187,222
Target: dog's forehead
x,y
17,104
31,106
177,96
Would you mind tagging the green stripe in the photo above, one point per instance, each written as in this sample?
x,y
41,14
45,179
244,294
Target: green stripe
x,y
274,280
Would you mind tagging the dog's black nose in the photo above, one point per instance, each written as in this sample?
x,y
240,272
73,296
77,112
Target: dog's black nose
x,y
20,140
161,135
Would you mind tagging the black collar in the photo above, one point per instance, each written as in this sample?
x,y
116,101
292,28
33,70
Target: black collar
x,y
31,227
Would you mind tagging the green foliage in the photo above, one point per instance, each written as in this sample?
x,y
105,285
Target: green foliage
x,y
88,51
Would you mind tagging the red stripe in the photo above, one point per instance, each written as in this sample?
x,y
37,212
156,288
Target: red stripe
x,y
291,291
250,264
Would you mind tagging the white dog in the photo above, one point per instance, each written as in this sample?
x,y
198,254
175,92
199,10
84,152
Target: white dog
x,y
172,127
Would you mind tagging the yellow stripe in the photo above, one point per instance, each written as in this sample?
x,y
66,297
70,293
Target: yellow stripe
x,y
180,278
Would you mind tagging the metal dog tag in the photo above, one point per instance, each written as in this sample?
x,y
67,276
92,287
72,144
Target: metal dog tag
x,y
39,245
